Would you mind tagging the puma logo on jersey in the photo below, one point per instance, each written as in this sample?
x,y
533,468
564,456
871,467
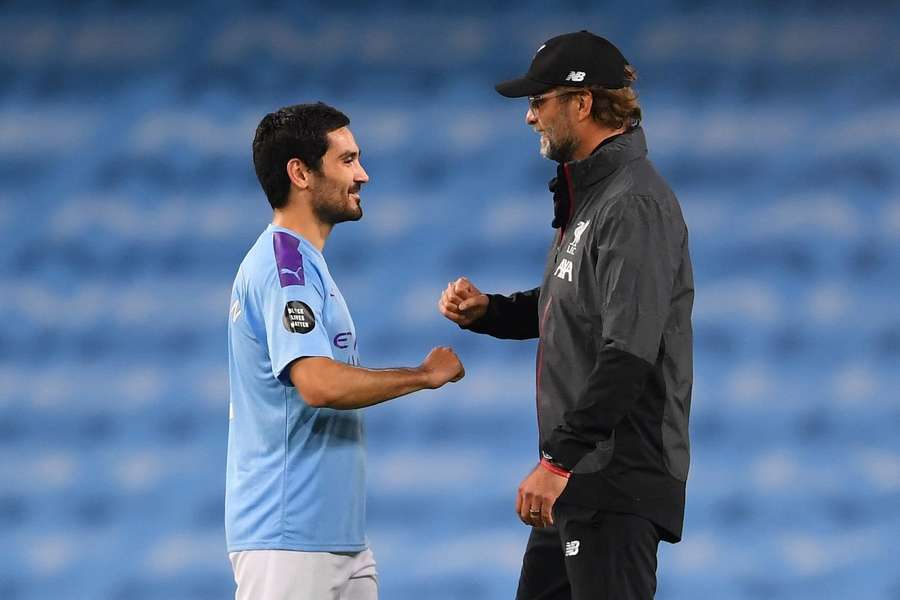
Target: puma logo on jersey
x,y
573,547
564,269
579,231
296,273
575,76
288,259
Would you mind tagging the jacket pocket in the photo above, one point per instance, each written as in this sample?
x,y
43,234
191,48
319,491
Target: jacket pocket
x,y
598,458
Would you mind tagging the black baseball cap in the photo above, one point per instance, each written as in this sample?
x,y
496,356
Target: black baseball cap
x,y
579,59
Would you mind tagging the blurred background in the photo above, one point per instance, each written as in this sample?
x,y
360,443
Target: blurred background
x,y
127,200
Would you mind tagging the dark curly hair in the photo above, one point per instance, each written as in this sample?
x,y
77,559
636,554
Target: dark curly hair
x,y
297,131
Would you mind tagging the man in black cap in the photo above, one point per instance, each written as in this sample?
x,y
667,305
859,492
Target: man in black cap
x,y
613,314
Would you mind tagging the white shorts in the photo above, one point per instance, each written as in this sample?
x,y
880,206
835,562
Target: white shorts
x,y
290,575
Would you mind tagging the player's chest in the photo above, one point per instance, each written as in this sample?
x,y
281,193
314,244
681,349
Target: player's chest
x,y
339,326
568,260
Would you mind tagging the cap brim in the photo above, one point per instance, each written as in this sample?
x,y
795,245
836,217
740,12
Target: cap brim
x,y
521,87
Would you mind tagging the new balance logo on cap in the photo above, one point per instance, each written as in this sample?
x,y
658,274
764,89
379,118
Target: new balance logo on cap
x,y
596,61
573,547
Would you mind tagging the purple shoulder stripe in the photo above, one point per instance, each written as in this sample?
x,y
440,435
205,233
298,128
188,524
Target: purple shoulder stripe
x,y
288,259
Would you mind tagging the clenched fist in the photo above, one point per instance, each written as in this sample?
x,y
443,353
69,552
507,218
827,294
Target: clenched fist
x,y
441,366
462,302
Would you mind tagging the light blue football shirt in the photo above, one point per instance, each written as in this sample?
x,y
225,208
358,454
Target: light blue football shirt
x,y
295,474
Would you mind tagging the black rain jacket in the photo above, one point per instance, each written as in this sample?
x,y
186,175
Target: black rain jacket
x,y
613,314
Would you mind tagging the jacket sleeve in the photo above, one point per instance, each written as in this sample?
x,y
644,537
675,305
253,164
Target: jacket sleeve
x,y
628,303
513,317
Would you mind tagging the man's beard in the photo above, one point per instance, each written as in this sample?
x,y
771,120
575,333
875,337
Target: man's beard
x,y
561,150
332,205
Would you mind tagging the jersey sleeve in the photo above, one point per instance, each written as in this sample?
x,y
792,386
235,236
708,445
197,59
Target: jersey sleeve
x,y
293,312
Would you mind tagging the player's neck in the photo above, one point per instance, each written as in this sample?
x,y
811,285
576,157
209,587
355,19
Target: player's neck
x,y
593,137
306,225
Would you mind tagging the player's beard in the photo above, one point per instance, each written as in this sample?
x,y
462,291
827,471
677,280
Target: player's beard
x,y
557,141
332,204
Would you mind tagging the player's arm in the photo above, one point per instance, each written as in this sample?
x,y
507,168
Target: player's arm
x,y
513,317
326,383
638,259
301,351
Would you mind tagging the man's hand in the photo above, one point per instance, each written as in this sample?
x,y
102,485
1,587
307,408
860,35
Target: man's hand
x,y
537,495
462,302
442,366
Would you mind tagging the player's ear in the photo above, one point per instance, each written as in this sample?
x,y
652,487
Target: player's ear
x,y
298,173
584,105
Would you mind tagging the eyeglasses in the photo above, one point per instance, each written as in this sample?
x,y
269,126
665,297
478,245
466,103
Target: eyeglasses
x,y
534,102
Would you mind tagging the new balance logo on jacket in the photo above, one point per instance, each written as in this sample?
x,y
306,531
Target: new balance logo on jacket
x,y
564,269
573,547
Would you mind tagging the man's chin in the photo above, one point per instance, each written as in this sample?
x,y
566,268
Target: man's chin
x,y
561,154
356,211
352,215
545,146
333,218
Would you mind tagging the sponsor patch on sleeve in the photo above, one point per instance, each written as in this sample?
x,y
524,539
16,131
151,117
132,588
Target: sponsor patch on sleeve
x,y
298,317
288,259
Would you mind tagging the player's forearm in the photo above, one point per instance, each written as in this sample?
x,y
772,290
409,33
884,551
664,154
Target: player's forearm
x,y
325,383
361,387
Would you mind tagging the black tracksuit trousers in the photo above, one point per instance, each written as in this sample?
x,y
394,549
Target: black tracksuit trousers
x,y
590,555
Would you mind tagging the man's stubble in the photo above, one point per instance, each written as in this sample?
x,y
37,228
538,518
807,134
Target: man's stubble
x,y
332,204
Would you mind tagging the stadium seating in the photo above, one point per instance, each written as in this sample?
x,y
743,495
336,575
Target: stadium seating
x,y
127,200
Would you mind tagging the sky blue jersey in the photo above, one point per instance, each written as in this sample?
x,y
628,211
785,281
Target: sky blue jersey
x,y
295,474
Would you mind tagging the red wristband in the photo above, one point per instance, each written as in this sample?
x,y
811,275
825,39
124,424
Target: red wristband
x,y
555,469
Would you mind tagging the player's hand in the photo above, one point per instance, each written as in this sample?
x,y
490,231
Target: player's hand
x,y
462,302
441,366
537,495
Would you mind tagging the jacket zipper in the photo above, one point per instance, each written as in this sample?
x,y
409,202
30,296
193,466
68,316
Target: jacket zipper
x,y
562,230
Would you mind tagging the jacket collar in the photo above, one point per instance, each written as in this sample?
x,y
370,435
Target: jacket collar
x,y
607,158
579,174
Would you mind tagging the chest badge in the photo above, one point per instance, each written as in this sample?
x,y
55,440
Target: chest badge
x,y
579,231
565,266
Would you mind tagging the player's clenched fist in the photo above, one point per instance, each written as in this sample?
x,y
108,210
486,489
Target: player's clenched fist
x,y
442,365
462,302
